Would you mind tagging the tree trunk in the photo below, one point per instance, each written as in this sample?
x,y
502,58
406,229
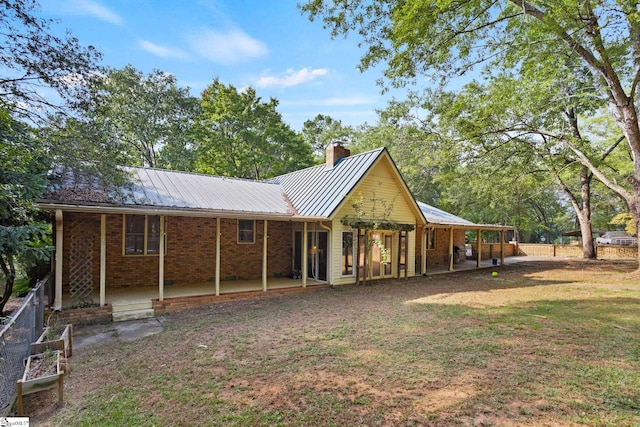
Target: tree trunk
x,y
9,272
584,215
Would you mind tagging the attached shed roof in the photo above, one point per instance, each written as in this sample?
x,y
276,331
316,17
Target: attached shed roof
x,y
319,190
434,215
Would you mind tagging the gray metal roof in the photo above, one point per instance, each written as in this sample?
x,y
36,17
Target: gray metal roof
x,y
438,216
195,191
181,190
319,190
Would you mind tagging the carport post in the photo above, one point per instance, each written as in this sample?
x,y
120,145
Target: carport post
x,y
501,247
59,257
479,245
450,248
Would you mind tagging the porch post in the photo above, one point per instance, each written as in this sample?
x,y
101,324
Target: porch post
x,y
161,261
479,245
450,248
103,258
406,254
264,256
218,256
356,262
304,254
501,247
423,267
59,256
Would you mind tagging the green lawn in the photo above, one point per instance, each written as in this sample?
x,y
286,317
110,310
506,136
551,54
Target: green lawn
x,y
554,343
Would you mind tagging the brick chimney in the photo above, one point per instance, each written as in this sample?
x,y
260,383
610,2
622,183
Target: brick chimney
x,y
336,151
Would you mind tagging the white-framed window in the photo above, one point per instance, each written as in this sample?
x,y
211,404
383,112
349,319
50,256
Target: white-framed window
x,y
348,257
431,239
246,231
141,235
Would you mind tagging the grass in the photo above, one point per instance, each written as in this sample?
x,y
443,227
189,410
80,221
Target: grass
x,y
554,343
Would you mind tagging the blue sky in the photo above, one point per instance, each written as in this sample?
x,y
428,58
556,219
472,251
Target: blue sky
x,y
266,44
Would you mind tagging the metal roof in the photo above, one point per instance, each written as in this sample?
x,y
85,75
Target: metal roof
x,y
187,191
438,216
319,190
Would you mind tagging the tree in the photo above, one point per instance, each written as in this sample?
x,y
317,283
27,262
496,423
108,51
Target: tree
x,y
447,38
322,130
241,136
23,232
32,58
149,115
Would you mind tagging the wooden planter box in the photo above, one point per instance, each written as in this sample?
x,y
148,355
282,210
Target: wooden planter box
x,y
42,371
63,343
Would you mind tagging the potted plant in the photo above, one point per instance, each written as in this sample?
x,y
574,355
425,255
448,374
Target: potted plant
x,y
42,371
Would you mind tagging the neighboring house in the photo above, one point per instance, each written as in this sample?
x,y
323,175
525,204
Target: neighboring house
x,y
182,235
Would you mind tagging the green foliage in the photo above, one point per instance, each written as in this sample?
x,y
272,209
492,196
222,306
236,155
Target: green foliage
x,y
33,58
145,117
322,130
23,231
625,220
239,135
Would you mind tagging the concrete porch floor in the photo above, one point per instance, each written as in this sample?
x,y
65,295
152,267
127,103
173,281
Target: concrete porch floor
x,y
120,296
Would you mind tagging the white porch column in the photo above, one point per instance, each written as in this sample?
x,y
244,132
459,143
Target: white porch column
x,y
304,254
218,256
479,254
501,247
161,261
57,304
265,239
103,259
423,267
451,249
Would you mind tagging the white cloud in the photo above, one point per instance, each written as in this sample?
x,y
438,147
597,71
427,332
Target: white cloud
x,y
292,78
95,9
228,48
162,51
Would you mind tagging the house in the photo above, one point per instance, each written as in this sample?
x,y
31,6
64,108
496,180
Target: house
x,y
180,239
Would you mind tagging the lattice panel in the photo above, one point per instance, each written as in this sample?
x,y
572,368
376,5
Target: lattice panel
x,y
81,260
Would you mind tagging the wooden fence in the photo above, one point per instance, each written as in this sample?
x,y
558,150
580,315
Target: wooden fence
x,y
602,251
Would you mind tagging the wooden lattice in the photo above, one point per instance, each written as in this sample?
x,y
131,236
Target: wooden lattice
x,y
81,260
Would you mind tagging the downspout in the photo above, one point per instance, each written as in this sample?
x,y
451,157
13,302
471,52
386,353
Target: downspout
x,y
330,254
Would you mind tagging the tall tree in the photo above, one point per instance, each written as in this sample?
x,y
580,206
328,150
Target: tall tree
x,y
23,231
32,58
149,115
241,136
447,38
322,130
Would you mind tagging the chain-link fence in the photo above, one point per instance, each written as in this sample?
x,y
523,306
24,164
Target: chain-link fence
x,y
23,327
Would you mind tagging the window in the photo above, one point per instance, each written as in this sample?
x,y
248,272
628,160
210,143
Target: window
x,y
347,253
431,239
246,231
142,235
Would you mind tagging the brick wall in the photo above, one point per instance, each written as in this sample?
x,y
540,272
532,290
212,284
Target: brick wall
x,y
190,253
440,256
85,316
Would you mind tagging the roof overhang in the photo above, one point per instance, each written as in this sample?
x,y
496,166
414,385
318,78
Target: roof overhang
x,y
471,226
169,211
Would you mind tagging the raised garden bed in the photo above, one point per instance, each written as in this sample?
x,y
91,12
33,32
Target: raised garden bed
x,y
55,338
42,371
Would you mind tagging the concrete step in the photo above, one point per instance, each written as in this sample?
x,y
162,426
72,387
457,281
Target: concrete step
x,y
138,305
121,316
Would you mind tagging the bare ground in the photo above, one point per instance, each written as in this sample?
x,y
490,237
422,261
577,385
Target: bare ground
x,y
543,344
